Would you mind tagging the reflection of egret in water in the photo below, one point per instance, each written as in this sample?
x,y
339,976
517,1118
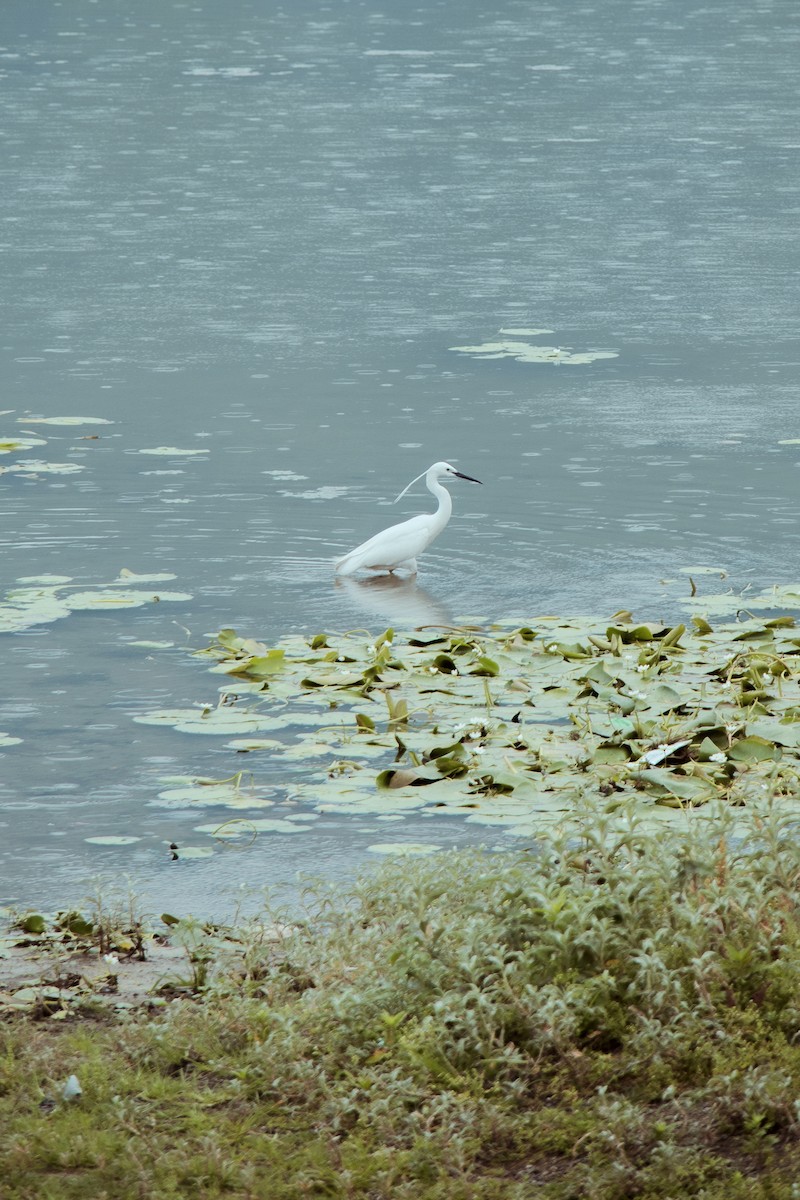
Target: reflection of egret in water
x,y
400,602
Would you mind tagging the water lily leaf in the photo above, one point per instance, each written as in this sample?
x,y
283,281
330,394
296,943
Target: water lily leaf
x,y
245,745
216,721
10,445
707,749
38,466
599,674
397,778
237,829
403,848
261,666
485,666
753,749
608,753
306,749
684,787
339,679
32,923
76,924
527,352
785,733
112,840
172,451
127,577
119,599
634,633
665,699
228,795
64,421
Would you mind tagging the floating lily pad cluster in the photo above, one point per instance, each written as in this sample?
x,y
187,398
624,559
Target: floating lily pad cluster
x,y
509,726
43,598
513,343
34,468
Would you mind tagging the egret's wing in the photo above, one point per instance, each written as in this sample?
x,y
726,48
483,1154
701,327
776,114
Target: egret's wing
x,y
390,547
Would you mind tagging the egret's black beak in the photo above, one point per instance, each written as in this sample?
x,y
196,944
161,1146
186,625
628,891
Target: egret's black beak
x,y
469,477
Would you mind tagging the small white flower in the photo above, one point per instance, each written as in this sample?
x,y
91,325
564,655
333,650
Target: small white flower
x,y
642,668
718,757
634,695
111,959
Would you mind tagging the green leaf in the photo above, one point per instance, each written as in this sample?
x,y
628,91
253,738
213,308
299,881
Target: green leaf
x,y
754,749
263,665
397,778
32,923
685,787
486,666
608,753
75,923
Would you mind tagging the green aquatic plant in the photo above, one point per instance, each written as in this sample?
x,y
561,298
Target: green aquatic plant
x,y
616,1015
44,598
512,726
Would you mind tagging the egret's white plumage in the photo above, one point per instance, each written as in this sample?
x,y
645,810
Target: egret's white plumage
x,y
399,545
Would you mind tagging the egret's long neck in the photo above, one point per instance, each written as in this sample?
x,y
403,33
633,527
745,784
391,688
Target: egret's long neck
x,y
445,506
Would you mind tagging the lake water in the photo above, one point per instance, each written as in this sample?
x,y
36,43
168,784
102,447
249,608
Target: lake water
x,y
260,233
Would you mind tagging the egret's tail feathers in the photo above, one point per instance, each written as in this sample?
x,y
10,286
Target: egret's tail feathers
x,y
347,565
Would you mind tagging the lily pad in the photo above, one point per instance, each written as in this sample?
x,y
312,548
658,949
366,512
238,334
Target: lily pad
x,y
64,421
112,840
510,726
11,445
527,352
404,848
47,598
201,793
172,451
233,829
119,599
37,466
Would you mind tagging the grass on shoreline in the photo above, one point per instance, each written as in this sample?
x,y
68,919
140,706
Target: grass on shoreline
x,y
613,1015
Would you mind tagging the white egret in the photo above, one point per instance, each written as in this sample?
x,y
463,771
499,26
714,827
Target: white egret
x,y
399,545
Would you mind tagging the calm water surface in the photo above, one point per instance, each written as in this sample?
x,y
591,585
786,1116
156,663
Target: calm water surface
x,y
260,232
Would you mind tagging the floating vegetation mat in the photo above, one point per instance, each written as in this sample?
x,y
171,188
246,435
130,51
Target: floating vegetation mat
x,y
511,727
43,598
513,343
